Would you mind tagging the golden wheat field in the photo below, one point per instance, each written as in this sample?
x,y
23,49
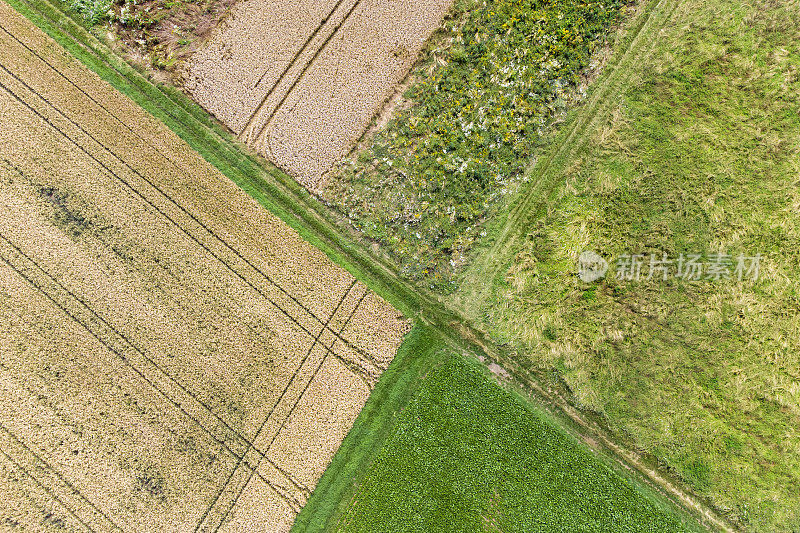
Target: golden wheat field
x,y
173,357
301,80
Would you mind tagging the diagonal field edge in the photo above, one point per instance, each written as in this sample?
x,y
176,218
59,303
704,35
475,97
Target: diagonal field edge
x,y
285,198
266,419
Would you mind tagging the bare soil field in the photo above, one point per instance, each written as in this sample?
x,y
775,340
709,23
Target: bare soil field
x,y
300,81
174,357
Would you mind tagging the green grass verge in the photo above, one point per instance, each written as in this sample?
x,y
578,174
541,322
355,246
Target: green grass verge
x,y
696,153
443,448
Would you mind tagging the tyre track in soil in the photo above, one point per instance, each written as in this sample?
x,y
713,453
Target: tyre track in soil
x,y
247,136
296,403
289,66
160,211
205,517
181,403
67,488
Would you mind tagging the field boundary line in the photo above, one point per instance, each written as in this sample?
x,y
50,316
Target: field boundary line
x,y
228,434
67,487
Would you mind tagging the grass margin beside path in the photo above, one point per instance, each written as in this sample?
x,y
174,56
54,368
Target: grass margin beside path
x,y
289,201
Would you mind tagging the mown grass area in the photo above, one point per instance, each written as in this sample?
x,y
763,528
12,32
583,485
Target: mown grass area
x,y
459,453
493,79
700,153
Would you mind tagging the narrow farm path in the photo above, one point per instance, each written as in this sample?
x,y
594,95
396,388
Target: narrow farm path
x,y
285,198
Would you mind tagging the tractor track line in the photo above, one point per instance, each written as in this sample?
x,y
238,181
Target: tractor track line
x,y
222,441
234,271
259,136
46,466
271,411
296,403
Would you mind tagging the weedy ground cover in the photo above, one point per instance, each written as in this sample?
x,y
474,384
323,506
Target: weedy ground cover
x,y
496,77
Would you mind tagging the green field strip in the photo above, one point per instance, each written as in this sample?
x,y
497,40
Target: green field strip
x,y
374,435
286,199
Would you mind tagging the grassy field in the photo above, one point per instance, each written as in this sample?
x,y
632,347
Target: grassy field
x,y
459,453
691,146
290,202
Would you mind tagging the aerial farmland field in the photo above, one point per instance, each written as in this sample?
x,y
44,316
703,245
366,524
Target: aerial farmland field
x,y
174,356
301,81
314,266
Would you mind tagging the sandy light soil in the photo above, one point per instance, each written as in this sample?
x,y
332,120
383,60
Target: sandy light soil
x,y
161,332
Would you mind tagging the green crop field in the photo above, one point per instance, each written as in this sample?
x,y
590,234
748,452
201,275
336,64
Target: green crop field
x,y
441,447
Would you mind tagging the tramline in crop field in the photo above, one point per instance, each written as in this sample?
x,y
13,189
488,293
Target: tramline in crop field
x,y
301,83
174,356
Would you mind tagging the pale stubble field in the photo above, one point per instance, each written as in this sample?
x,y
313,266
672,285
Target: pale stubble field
x,y
174,357
300,81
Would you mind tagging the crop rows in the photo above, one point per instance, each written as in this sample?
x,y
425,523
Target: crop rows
x,y
330,66
165,331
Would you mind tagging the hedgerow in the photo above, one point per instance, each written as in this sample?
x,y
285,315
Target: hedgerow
x,y
426,182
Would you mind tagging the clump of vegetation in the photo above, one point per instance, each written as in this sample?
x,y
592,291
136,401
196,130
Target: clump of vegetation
x,y
502,71
162,31
93,11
